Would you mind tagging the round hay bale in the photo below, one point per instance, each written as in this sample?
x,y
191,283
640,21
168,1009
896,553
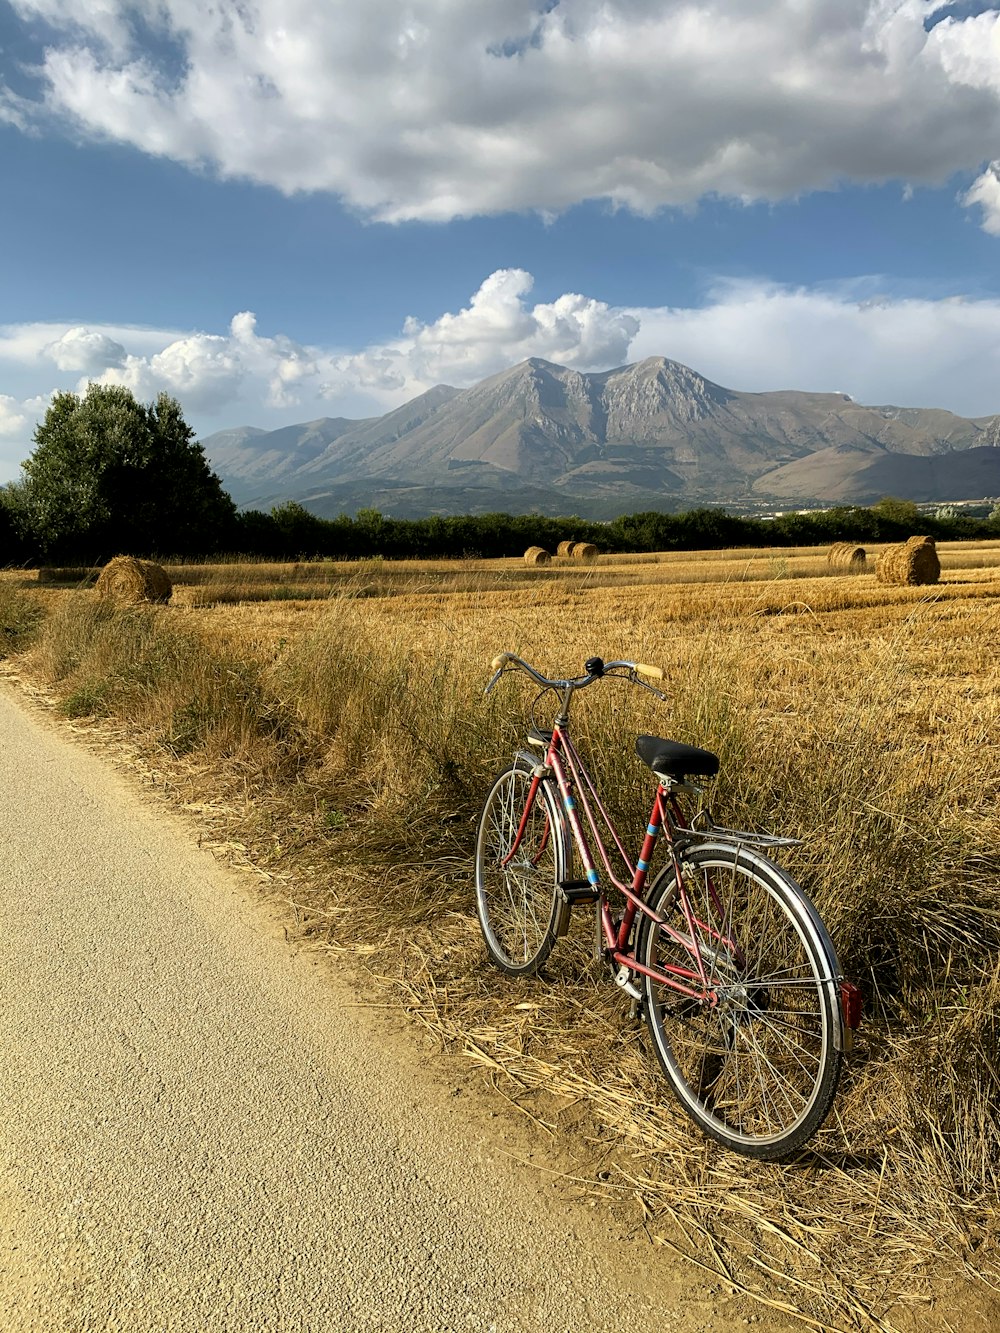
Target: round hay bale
x,y
565,548
584,551
845,555
910,563
127,580
537,555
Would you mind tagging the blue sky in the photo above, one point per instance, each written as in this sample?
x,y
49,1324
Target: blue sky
x,y
284,209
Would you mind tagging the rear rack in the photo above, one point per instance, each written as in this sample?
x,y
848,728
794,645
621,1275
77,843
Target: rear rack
x,y
704,829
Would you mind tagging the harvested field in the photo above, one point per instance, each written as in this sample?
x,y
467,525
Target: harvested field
x,y
74,575
338,735
307,581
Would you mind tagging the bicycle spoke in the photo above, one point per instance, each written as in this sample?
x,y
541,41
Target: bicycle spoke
x,y
750,1059
516,880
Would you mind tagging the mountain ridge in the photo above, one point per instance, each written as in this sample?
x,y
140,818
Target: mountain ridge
x,y
653,429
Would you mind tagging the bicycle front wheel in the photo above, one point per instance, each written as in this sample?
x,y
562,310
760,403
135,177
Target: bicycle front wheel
x,y
756,1063
517,892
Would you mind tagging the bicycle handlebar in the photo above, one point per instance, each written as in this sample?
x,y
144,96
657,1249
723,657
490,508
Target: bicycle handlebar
x,y
595,669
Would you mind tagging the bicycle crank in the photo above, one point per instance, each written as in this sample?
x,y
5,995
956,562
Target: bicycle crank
x,y
623,978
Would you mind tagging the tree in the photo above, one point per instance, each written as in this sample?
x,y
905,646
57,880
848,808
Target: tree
x,y
301,533
110,476
897,518
12,549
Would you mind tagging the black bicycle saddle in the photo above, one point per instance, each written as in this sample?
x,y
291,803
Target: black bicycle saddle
x,y
675,760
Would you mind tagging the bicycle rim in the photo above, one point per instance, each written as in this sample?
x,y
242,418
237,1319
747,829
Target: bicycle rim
x,y
757,1065
516,896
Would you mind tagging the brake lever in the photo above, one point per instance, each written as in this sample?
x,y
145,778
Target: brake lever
x,y
633,677
663,698
490,686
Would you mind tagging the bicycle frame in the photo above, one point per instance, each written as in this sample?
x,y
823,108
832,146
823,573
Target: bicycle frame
x,y
578,792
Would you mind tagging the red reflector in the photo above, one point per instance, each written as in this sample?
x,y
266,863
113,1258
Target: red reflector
x,y
850,1000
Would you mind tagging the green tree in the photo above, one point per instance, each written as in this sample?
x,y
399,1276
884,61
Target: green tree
x,y
109,475
12,549
300,532
897,518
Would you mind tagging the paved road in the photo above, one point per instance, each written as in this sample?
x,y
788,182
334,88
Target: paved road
x,y
199,1132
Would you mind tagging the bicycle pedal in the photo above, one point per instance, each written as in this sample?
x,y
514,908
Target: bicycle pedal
x,y
623,978
578,891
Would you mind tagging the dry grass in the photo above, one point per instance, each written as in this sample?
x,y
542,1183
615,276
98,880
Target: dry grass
x,y
20,613
343,740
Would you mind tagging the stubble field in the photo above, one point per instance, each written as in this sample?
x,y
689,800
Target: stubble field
x,y
326,722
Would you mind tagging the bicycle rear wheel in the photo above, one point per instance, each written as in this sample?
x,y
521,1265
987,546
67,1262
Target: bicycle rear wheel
x,y
756,1065
517,898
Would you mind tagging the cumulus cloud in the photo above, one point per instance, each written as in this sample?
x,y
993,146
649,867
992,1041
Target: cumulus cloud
x,y
12,419
440,109
495,330
82,350
80,345
754,336
208,371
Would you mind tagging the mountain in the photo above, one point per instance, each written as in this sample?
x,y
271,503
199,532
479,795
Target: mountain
x,y
252,462
248,458
652,434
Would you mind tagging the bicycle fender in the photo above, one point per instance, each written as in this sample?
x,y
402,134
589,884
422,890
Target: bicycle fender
x,y
525,759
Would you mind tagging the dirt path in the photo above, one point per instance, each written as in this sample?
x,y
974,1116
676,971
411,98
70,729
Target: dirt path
x,y
202,1132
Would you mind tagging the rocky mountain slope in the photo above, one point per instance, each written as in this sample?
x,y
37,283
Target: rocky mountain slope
x,y
646,435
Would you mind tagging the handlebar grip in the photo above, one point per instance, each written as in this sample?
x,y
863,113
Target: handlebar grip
x,y
499,661
653,672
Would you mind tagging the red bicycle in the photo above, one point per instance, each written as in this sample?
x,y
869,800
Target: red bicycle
x,y
722,952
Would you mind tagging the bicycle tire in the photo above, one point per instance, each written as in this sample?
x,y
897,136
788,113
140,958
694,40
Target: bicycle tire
x,y
758,1070
518,905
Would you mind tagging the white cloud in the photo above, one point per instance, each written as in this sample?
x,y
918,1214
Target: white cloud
x,y
12,419
25,344
985,193
748,335
81,350
494,331
441,108
203,371
10,110
910,352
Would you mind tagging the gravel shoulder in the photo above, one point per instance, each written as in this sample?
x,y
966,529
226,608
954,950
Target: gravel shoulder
x,y
205,1129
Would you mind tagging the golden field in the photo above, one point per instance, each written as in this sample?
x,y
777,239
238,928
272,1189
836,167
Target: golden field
x,y
327,722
